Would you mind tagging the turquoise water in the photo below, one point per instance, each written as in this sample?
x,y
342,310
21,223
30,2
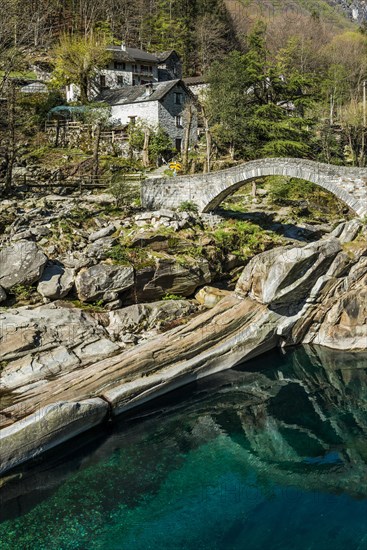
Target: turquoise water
x,y
272,455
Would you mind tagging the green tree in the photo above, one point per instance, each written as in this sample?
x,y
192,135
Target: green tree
x,y
150,143
78,59
258,104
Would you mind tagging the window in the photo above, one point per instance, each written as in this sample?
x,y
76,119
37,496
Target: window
x,y
120,80
102,81
178,144
178,98
119,66
179,121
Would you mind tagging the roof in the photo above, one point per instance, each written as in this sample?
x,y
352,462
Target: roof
x,y
193,80
163,56
131,54
137,94
35,88
67,111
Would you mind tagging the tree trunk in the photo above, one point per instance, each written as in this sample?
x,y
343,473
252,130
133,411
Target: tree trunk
x,y
11,148
209,144
84,89
254,188
145,158
96,150
57,137
232,151
189,113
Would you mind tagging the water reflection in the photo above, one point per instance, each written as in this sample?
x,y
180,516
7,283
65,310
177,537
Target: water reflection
x,y
280,427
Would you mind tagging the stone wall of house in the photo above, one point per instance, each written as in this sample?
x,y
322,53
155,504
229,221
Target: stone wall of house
x,y
169,110
128,74
170,69
112,78
146,110
199,90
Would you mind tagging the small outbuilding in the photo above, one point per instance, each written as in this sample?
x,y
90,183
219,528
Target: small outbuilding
x,y
36,87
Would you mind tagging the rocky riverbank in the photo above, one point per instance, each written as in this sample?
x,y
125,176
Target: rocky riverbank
x,y
86,336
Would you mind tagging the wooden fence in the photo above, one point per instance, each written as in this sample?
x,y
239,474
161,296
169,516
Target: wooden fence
x,y
113,135
77,182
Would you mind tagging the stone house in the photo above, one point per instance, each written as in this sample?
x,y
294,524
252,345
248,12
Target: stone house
x,y
198,85
131,67
158,104
169,65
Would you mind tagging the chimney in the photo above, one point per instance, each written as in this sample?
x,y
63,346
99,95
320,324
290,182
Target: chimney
x,y
148,89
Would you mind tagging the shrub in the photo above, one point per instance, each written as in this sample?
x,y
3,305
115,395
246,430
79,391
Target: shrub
x,y
188,206
169,296
123,192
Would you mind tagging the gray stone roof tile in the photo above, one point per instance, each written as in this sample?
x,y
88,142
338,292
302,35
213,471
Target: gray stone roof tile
x,y
136,94
131,54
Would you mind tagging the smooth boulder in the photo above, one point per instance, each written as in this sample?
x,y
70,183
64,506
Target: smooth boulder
x,y
56,282
48,427
103,281
171,277
209,296
284,276
21,263
2,295
140,317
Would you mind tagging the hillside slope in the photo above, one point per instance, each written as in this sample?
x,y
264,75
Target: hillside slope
x,y
338,13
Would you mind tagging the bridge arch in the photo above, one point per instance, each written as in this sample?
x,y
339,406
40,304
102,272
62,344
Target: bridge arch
x,y
208,190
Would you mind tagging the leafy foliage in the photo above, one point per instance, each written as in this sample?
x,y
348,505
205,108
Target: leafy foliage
x,y
257,103
159,145
77,60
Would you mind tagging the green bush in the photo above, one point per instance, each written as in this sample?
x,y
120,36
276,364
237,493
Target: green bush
x,y
172,297
244,238
139,258
188,206
123,192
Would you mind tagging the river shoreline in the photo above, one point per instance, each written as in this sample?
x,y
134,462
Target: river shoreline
x,y
69,369
258,389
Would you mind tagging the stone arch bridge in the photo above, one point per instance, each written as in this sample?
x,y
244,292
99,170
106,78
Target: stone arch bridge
x,y
209,190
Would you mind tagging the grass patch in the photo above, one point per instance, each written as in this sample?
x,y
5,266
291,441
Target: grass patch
x,y
169,296
94,307
139,258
